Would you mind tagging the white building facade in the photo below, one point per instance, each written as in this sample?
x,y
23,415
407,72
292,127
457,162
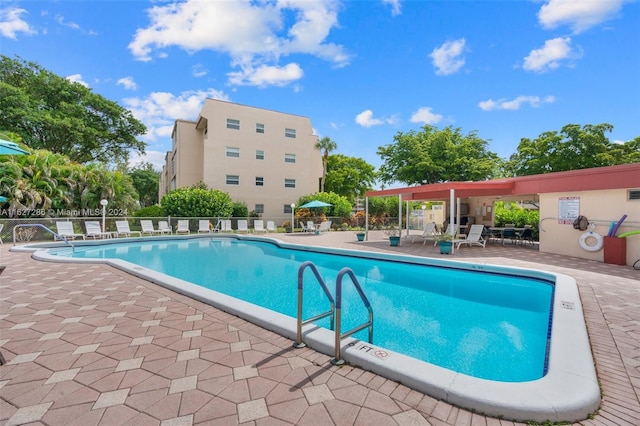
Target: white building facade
x,y
264,158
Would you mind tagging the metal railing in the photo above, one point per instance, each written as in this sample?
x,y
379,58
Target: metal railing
x,y
41,226
331,312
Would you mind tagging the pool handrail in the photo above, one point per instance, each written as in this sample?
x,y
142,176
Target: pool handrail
x,y
39,225
300,322
337,360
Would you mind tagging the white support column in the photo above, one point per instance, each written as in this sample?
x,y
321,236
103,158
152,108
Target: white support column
x,y
452,199
407,218
366,218
400,217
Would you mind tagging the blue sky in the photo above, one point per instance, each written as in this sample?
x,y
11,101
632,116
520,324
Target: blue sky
x,y
360,70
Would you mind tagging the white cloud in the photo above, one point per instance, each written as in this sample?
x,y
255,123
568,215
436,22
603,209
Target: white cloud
x,y
128,83
515,104
395,6
199,70
76,78
365,119
448,59
11,23
159,110
549,56
254,34
265,75
426,116
580,15
154,157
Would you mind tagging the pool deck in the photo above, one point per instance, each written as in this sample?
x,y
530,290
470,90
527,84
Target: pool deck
x,y
92,345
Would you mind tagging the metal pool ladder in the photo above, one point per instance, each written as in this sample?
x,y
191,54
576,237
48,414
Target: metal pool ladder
x,y
39,225
335,312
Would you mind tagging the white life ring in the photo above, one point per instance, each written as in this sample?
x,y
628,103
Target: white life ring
x,y
591,241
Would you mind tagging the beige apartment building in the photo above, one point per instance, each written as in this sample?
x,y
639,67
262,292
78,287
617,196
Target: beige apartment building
x,y
264,158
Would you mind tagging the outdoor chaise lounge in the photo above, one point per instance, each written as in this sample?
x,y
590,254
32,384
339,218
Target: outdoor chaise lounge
x,y
271,226
427,235
163,226
122,227
243,227
66,232
258,227
474,237
183,227
147,228
94,231
324,226
204,227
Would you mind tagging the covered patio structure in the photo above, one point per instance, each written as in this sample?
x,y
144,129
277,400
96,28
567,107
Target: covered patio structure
x,y
603,194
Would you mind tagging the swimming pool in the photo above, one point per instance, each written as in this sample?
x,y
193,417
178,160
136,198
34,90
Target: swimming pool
x,y
494,397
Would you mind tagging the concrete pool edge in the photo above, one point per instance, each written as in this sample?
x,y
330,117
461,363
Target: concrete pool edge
x,y
569,392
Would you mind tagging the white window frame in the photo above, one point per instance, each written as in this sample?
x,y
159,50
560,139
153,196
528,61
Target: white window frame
x,y
259,181
259,154
290,158
259,208
233,152
290,133
232,123
289,183
259,128
232,180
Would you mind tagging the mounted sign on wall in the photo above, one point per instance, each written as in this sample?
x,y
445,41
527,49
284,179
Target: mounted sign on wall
x,y
568,209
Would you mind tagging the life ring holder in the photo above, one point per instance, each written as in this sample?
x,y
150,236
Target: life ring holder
x,y
588,237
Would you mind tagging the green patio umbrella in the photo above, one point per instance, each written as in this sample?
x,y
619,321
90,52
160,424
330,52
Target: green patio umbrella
x,y
11,148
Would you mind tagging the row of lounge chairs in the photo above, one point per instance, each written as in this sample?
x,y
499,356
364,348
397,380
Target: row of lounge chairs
x,y
94,230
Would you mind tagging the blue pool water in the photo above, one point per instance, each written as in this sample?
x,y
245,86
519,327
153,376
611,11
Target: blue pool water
x,y
487,325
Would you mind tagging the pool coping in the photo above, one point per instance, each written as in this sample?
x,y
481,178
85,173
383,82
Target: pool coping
x,y
568,392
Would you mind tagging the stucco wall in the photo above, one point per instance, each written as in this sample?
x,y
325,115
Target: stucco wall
x,y
600,207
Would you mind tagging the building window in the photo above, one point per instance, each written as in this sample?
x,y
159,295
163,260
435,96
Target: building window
x,y
233,152
259,128
233,124
290,133
289,158
289,183
233,180
287,209
259,181
259,154
259,208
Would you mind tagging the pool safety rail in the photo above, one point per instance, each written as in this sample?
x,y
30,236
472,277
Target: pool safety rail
x,y
335,311
41,226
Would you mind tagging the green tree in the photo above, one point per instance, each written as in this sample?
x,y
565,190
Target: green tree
x,y
349,176
146,180
432,155
340,205
574,147
327,145
197,201
52,113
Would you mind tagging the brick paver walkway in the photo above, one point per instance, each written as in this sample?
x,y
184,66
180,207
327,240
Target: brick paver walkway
x,y
91,345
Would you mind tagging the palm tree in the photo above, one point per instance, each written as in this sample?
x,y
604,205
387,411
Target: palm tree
x,y
327,145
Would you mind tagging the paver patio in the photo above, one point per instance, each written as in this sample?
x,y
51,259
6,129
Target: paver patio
x,y
92,345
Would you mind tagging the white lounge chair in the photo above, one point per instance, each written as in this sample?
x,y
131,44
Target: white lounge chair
x,y
243,227
183,227
324,227
310,226
122,227
164,228
427,235
303,227
474,237
66,232
452,228
94,231
147,228
271,226
258,227
204,227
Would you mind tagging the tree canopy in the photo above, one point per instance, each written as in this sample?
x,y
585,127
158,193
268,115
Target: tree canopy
x,y
197,201
349,176
574,147
432,156
52,113
146,180
327,145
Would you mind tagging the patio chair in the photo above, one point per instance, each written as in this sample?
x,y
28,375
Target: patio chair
x,y
183,227
271,226
66,232
509,234
324,227
526,235
310,226
147,228
164,228
94,230
122,227
473,238
204,226
452,228
258,226
303,227
427,235
243,227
